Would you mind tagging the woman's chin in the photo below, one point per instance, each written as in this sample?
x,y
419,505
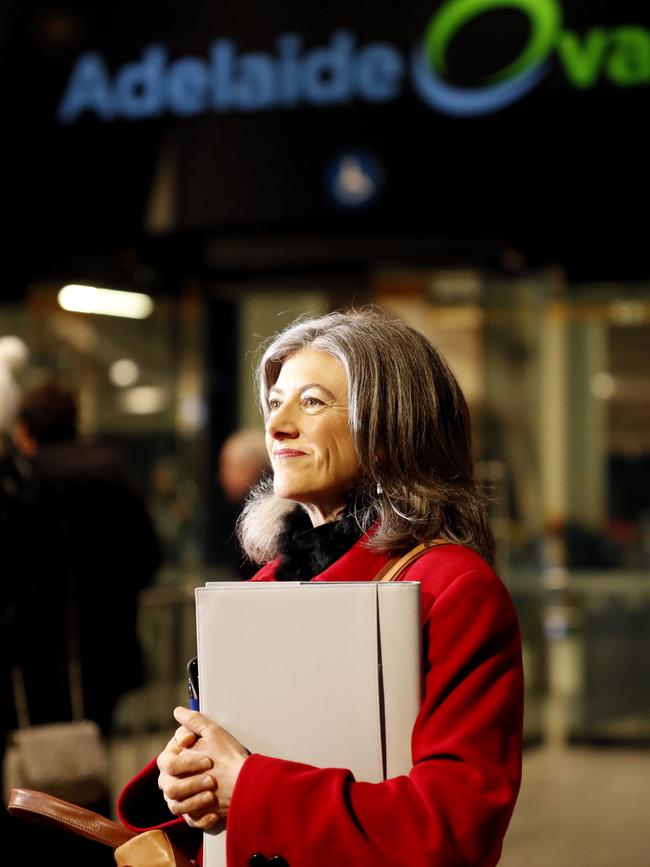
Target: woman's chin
x,y
288,491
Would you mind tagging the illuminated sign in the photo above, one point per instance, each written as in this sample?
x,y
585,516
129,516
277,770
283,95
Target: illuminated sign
x,y
343,71
621,55
334,74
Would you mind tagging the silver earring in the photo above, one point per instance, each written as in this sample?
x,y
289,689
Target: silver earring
x,y
380,490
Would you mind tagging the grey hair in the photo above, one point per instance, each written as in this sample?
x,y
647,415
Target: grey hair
x,y
411,427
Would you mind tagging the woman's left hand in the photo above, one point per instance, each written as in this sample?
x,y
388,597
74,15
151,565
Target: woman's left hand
x,y
198,734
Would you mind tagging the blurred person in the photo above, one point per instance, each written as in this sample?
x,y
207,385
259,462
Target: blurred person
x,y
243,461
572,544
13,467
14,472
13,357
76,530
82,536
370,441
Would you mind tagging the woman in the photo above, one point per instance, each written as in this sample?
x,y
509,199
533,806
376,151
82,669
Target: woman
x,y
369,439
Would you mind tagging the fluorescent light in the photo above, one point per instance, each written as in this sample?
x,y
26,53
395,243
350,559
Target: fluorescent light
x,y
105,302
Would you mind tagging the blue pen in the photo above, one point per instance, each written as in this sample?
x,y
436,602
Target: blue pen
x,y
193,683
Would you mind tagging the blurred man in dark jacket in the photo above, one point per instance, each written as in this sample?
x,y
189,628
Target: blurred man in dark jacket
x,y
85,547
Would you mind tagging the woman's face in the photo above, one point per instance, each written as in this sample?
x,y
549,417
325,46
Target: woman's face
x,y
308,435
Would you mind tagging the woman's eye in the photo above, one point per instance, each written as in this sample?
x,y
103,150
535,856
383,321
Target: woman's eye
x,y
274,403
312,401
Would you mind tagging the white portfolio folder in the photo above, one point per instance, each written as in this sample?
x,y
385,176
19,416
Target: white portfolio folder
x,y
326,673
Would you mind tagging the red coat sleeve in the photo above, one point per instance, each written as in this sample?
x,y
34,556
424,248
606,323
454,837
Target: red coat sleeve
x,y
453,809
141,807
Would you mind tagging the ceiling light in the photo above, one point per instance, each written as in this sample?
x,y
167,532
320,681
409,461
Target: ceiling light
x,y
105,302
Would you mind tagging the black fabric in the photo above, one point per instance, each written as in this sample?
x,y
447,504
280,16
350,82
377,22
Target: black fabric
x,y
76,520
81,522
306,551
228,553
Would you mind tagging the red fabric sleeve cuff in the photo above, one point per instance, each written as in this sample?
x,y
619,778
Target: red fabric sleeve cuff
x,y
141,807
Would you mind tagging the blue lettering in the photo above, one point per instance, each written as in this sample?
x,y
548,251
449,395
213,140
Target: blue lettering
x,y
251,81
87,90
138,86
222,56
326,71
288,78
255,82
379,72
187,86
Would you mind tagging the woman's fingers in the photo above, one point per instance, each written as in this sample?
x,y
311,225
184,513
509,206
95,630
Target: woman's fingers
x,y
196,806
203,823
184,737
187,789
192,720
179,789
182,762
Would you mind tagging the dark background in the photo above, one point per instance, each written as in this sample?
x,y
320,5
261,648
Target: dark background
x,y
561,175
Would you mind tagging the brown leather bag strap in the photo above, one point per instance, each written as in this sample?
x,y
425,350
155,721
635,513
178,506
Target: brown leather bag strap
x,y
394,568
48,810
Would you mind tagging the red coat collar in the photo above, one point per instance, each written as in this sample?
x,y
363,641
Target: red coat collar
x,y
359,564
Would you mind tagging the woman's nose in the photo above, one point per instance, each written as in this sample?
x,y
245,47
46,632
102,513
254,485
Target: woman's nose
x,y
281,424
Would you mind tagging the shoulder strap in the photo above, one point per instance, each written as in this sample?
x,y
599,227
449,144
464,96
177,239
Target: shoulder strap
x,y
48,810
391,570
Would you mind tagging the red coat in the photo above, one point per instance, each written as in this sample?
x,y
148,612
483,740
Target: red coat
x,y
453,809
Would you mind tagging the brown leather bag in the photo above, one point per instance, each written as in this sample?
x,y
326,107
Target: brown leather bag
x,y
148,849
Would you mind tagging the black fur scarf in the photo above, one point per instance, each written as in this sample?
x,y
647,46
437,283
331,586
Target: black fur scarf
x,y
306,551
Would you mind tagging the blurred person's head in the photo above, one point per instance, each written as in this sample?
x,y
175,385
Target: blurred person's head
x,y
243,459
13,356
47,414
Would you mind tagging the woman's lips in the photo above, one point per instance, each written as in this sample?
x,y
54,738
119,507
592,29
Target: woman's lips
x,y
287,453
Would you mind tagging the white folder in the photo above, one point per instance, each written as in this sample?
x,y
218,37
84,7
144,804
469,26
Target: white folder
x,y
326,673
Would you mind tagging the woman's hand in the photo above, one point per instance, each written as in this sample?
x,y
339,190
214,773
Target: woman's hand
x,y
199,768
